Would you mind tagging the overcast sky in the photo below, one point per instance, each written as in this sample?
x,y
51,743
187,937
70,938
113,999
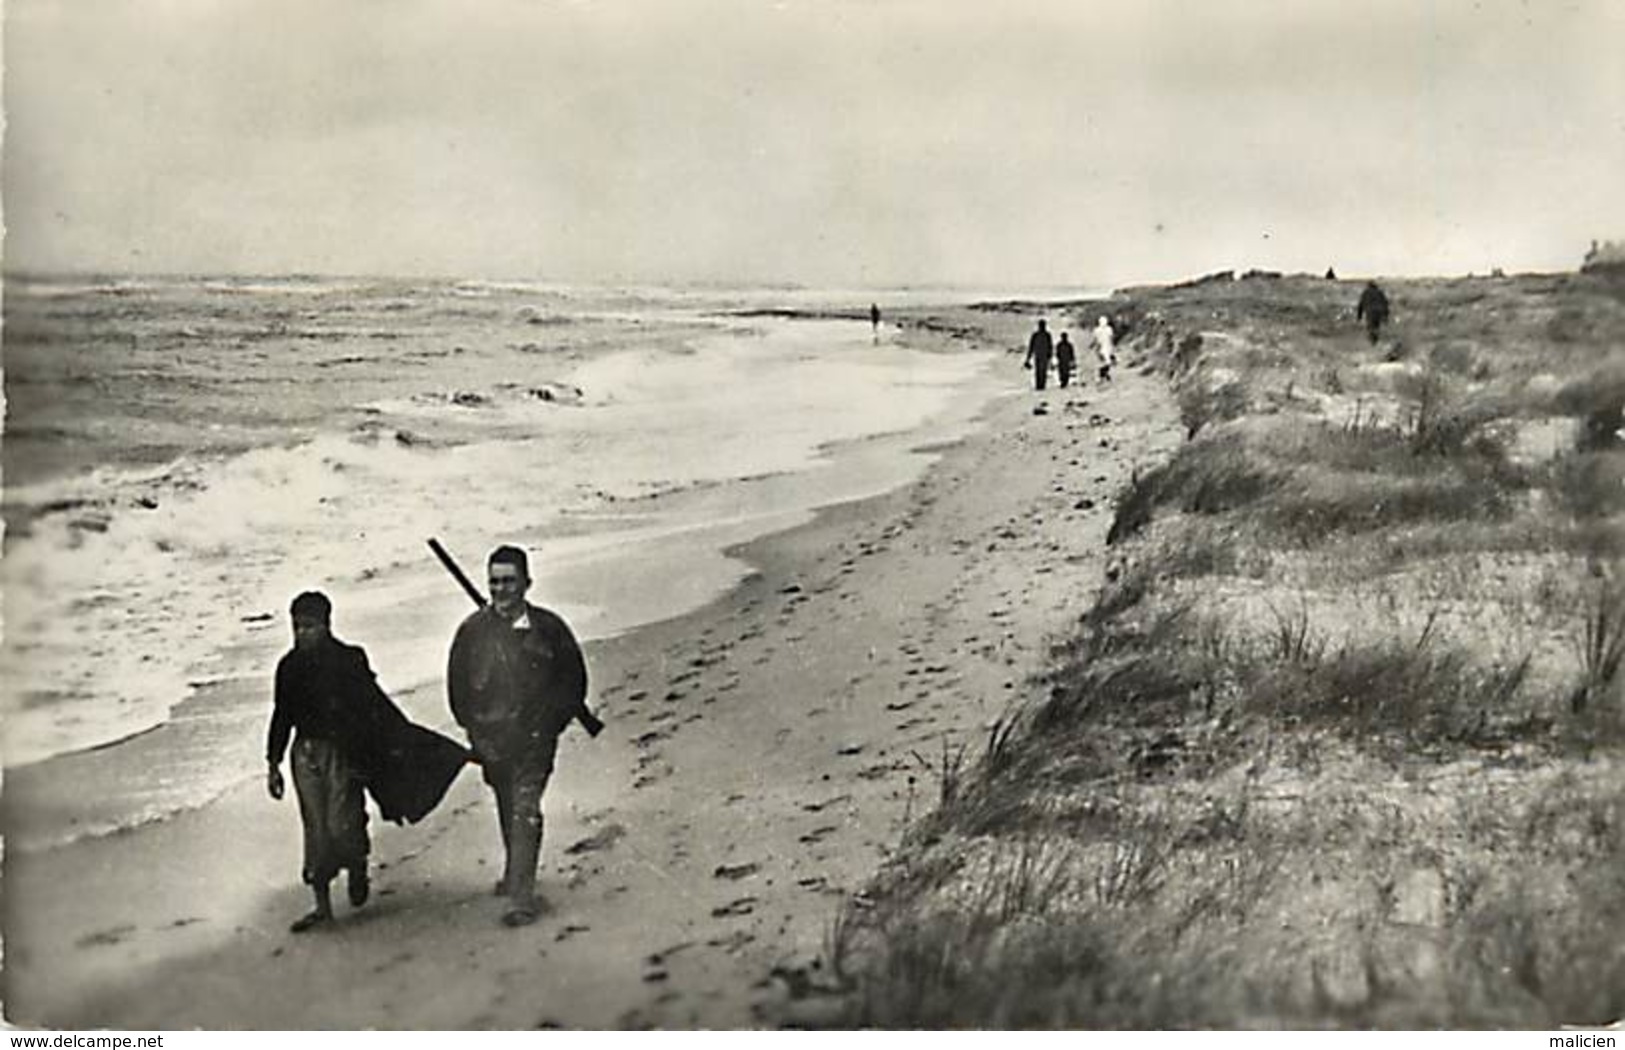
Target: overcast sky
x,y
832,142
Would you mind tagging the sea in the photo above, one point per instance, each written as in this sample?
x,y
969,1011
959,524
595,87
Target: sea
x,y
183,455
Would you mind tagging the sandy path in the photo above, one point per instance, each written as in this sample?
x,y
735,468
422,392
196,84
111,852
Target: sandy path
x,y
762,756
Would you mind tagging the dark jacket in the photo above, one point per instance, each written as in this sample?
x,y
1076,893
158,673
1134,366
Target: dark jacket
x,y
1039,345
1373,305
510,687
328,692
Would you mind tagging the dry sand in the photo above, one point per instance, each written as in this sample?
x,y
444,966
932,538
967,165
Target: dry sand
x,y
763,756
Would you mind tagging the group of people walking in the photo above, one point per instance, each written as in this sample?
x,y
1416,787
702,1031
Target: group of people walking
x,y
1373,309
515,679
1040,349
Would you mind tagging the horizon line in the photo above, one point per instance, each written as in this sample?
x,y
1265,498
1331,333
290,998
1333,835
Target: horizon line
x,y
27,274
45,275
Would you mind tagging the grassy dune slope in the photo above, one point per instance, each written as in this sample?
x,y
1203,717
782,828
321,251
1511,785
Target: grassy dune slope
x,y
1340,743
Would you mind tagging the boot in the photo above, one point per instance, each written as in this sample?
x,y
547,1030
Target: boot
x,y
524,851
323,912
359,885
504,823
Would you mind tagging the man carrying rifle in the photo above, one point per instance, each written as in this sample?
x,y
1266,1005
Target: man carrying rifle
x,y
516,678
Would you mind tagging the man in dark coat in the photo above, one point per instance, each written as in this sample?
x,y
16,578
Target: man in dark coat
x,y
351,737
1039,349
515,679
1066,359
1373,309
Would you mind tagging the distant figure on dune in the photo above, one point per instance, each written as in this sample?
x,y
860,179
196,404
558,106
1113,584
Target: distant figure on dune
x,y
1066,360
516,678
1331,274
1373,309
350,736
874,319
1105,348
1039,349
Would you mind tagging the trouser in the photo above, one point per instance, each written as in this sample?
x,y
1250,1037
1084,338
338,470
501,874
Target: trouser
x,y
1040,372
1066,374
518,784
332,810
1373,327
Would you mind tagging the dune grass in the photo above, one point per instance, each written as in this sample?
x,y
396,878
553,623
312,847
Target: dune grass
x,y
1204,815
1312,482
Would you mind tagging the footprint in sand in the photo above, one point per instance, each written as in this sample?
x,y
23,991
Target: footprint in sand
x,y
658,959
600,840
105,938
732,942
734,908
818,835
735,872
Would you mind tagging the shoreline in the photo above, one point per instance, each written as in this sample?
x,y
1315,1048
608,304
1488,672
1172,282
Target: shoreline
x,y
336,502
679,534
116,955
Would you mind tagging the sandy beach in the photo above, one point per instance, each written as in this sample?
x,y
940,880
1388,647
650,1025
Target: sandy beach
x,y
1240,692
762,758
1277,682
